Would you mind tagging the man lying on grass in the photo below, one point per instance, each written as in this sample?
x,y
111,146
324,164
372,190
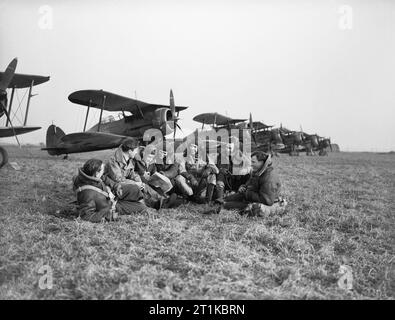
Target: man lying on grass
x,y
96,201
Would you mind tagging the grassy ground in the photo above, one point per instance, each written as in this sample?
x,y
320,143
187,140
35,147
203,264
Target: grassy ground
x,y
341,211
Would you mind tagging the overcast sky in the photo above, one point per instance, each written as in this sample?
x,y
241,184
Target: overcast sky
x,y
314,64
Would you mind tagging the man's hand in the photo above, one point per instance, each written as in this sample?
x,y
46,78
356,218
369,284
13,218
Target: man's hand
x,y
110,194
242,189
206,172
141,185
118,191
114,214
146,175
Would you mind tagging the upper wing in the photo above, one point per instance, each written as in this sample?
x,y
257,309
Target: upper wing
x,y
114,102
20,81
215,118
86,141
9,132
258,125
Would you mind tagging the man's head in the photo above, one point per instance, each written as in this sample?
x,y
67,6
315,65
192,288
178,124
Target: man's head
x,y
131,147
193,149
258,160
93,168
150,154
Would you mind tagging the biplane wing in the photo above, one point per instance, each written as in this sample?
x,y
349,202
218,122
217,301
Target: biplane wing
x,y
214,118
256,125
15,131
60,143
113,102
20,81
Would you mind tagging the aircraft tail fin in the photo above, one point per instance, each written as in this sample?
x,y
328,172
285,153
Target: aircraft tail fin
x,y
54,135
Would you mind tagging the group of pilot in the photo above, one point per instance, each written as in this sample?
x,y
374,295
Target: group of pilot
x,y
225,178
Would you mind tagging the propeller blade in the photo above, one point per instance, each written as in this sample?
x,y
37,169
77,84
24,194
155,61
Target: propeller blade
x,y
172,105
252,128
8,75
173,113
178,126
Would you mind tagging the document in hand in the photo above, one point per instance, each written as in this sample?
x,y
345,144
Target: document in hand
x,y
160,181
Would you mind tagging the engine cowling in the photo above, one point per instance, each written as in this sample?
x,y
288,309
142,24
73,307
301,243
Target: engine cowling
x,y
298,139
314,141
276,139
162,120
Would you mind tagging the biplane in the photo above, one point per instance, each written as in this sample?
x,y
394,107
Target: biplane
x,y
293,141
135,117
313,143
261,135
264,138
14,81
217,121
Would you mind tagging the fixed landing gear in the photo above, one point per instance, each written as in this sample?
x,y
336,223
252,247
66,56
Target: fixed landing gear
x,y
3,157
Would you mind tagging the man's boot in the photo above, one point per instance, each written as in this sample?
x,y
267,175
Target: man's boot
x,y
220,194
172,202
209,192
216,209
200,187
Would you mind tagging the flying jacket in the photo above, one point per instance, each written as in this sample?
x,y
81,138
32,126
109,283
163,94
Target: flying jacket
x,y
118,168
263,186
93,205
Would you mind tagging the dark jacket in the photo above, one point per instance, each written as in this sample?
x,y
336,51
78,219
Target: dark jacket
x,y
169,170
93,206
141,167
263,187
118,169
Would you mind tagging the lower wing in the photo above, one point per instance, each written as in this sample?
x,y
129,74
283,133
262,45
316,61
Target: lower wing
x,y
10,132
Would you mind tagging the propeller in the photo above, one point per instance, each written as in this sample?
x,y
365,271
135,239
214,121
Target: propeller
x,y
4,83
174,118
8,75
252,128
302,135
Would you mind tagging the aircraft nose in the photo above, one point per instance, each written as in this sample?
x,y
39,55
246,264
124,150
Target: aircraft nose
x,y
298,137
167,127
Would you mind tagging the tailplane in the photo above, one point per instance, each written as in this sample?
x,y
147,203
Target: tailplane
x,y
54,136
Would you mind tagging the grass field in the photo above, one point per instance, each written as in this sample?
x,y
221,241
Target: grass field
x,y
341,212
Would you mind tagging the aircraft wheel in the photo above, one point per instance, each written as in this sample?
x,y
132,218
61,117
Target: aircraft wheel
x,y
3,157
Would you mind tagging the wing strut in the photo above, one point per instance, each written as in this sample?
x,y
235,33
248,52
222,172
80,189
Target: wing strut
x,y
10,104
87,113
101,112
28,101
141,112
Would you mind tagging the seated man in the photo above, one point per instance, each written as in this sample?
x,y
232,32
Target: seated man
x,y
262,188
146,168
120,169
173,172
232,173
96,202
145,163
197,175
